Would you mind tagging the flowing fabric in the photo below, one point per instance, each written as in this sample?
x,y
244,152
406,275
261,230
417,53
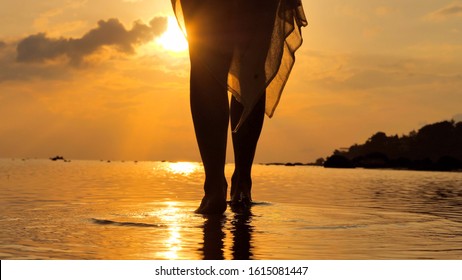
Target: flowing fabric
x,y
263,59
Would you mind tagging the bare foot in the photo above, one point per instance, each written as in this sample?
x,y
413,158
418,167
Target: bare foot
x,y
241,195
213,204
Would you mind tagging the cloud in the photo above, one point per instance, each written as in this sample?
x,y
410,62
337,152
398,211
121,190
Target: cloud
x,y
40,48
450,11
49,19
12,71
375,73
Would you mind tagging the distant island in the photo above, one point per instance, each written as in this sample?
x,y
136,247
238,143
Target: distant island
x,y
434,147
55,158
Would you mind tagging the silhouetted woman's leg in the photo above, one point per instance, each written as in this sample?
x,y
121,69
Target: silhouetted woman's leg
x,y
245,143
256,22
210,54
210,111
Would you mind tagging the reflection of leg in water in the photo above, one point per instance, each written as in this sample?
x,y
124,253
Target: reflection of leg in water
x,y
214,238
242,236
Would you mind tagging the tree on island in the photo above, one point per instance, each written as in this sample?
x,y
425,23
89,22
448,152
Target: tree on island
x,y
435,146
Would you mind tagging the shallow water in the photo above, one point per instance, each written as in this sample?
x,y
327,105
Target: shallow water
x,y
144,210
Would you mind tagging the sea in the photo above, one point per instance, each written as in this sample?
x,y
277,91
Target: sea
x,y
129,210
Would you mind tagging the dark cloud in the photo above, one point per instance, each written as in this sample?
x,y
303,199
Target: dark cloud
x,y
41,48
449,11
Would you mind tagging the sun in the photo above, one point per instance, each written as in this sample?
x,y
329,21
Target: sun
x,y
173,38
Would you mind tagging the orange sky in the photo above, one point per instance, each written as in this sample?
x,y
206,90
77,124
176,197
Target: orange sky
x,y
101,86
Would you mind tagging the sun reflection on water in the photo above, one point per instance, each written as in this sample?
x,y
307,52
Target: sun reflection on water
x,y
182,168
172,217
173,244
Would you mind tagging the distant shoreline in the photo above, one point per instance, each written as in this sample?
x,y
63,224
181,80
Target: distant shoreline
x,y
291,164
434,147
285,164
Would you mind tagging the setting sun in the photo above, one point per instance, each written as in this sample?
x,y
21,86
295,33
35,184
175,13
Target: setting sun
x,y
173,38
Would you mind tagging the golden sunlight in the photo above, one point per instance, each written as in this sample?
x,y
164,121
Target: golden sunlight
x,y
183,168
173,242
173,38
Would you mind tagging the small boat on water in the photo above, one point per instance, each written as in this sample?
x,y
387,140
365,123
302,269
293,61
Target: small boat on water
x,y
59,158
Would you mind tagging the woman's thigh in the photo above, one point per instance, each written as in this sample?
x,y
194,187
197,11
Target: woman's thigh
x,y
210,24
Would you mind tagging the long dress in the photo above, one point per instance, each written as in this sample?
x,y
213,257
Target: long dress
x,y
263,59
